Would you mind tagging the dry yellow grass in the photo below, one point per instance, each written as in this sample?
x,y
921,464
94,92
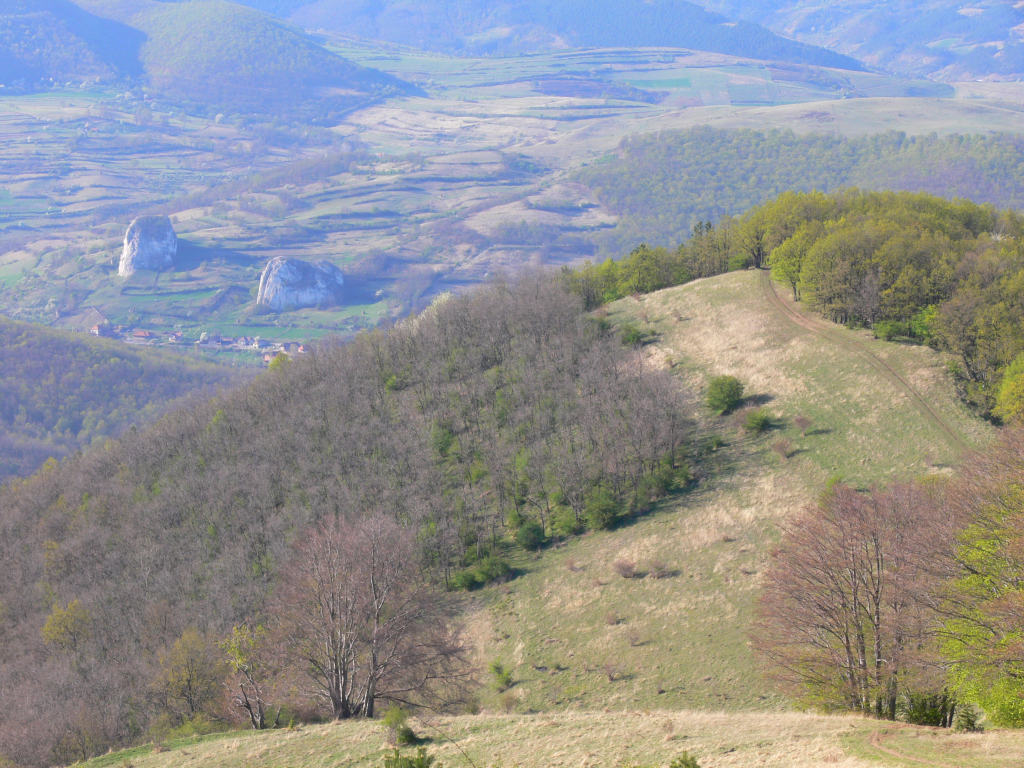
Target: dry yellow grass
x,y
596,740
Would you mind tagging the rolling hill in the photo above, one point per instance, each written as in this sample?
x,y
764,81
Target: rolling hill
x,y
190,520
210,52
220,51
44,40
684,678
472,26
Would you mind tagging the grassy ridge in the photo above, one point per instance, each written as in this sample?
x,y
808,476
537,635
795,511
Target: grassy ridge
x,y
681,641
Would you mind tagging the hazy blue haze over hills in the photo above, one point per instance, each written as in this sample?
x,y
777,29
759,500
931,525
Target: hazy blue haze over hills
x,y
939,38
474,26
56,38
210,51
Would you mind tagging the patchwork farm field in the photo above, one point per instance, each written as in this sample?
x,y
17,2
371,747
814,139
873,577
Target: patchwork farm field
x,y
417,195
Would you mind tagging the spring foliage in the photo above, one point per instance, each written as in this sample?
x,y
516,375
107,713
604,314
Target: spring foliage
x,y
949,273
507,402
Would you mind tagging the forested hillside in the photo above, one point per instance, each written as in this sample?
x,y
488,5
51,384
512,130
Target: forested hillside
x,y
663,184
44,39
911,266
222,52
62,391
207,52
504,410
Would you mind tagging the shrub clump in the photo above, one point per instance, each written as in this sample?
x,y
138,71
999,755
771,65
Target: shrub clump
x,y
724,394
632,336
757,420
422,760
601,511
395,720
684,761
625,568
502,676
784,448
530,535
489,569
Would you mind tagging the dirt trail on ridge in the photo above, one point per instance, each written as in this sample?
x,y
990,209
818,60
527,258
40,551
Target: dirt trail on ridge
x,y
879,736
822,328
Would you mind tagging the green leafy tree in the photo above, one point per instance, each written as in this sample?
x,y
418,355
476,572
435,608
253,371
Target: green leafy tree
x,y
724,394
1010,400
530,535
251,662
67,628
191,675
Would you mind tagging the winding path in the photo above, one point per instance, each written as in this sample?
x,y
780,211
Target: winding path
x,y
879,736
823,329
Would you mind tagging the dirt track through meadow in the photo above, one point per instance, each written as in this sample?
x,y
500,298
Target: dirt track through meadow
x,y
877,739
822,329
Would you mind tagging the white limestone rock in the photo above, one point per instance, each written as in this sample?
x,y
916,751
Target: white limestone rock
x,y
292,283
149,243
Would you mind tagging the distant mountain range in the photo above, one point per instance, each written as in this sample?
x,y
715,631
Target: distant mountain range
x,y
209,51
485,26
941,39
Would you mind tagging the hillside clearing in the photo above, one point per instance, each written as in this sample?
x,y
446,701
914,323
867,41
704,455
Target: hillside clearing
x,y
578,635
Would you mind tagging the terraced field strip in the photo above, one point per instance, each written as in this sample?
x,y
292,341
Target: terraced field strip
x,y
823,329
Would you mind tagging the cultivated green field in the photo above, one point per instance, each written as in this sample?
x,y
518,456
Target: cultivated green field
x,y
494,143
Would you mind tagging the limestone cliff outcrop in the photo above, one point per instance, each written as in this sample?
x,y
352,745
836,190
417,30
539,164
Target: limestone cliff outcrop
x,y
149,243
292,283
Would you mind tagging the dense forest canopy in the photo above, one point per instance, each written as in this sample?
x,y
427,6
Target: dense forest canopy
x,y
663,183
62,391
507,409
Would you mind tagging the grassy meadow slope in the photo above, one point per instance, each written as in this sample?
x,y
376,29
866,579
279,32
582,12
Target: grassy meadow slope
x,y
610,671
681,641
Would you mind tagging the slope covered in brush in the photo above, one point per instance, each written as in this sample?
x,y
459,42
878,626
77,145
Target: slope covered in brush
x,y
61,391
506,403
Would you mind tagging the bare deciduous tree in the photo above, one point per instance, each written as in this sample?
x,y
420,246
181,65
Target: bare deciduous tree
x,y
357,616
